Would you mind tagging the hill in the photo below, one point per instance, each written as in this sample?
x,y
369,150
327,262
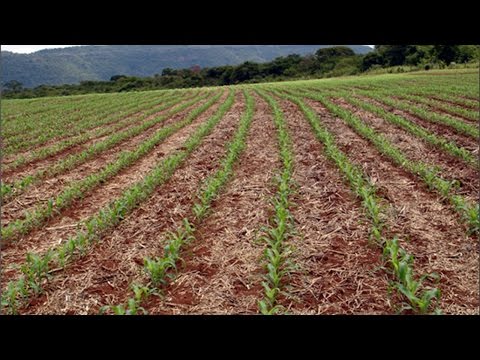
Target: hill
x,y
75,64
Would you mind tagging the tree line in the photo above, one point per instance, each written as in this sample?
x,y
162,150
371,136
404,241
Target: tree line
x,y
326,62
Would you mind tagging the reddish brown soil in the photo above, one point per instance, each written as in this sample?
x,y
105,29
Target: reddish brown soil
x,y
427,228
52,187
223,271
104,275
337,267
452,168
438,129
337,271
129,122
64,225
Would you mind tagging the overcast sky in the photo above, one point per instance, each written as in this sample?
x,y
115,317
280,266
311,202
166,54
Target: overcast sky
x,y
26,49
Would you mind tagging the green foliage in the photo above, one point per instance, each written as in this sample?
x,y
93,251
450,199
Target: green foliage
x,y
421,300
281,226
41,213
327,54
133,305
395,55
256,63
158,269
162,268
421,132
36,269
446,189
445,53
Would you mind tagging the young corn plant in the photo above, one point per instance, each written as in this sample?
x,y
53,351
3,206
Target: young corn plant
x,y
420,300
419,131
115,122
211,188
426,114
107,217
41,213
36,270
10,298
160,269
133,305
77,159
281,225
424,171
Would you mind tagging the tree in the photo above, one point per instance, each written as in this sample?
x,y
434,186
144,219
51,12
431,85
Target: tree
x,y
13,86
372,58
414,55
281,64
327,54
468,53
117,77
307,65
445,53
244,72
195,69
393,55
169,72
328,58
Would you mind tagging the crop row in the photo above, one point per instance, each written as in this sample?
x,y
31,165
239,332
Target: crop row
x,y
448,146
469,213
409,285
27,126
37,268
120,121
281,226
160,269
10,190
37,216
62,127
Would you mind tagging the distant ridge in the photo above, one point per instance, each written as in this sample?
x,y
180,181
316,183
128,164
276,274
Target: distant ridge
x,y
75,64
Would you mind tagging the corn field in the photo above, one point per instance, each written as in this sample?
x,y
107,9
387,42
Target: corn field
x,y
337,196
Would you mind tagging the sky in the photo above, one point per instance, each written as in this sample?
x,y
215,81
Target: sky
x,y
27,49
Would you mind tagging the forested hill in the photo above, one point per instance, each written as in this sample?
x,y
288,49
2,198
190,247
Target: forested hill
x,y
75,64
